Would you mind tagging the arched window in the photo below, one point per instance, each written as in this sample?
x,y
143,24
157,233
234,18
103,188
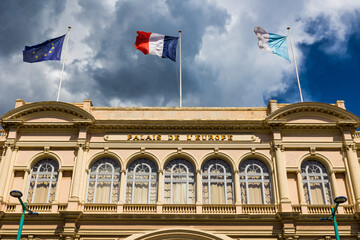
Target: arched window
x,y
141,182
217,182
255,182
179,179
316,183
43,179
103,182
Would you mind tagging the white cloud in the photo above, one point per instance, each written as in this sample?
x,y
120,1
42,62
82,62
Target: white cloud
x,y
228,70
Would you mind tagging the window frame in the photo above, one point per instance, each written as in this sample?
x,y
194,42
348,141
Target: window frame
x,y
209,180
265,177
324,179
189,172
105,161
152,174
54,165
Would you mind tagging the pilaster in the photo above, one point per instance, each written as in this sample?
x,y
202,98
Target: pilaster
x,y
160,191
278,148
354,169
9,148
76,179
301,192
122,186
198,191
237,191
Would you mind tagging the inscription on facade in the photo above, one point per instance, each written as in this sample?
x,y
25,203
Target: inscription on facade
x,y
179,137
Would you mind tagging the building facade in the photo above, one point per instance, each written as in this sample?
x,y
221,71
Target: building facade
x,y
179,173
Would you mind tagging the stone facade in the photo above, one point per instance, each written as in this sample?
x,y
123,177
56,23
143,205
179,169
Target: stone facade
x,y
179,173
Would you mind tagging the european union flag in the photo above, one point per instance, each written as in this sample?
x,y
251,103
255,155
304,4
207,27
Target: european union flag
x,y
48,50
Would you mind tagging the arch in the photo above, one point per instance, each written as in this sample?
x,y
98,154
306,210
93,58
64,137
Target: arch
x,y
34,159
102,154
331,111
219,155
137,155
26,109
259,156
178,233
319,157
184,155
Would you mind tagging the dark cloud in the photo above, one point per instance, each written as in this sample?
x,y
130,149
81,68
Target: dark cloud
x,y
222,65
127,74
26,23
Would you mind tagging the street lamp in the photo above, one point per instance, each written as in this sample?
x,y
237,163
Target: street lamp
x,y
17,194
337,200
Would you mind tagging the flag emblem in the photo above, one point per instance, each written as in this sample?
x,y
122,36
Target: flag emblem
x,y
271,42
48,50
157,44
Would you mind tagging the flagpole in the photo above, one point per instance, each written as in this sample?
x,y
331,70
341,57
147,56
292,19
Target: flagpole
x,y
180,69
296,70
63,66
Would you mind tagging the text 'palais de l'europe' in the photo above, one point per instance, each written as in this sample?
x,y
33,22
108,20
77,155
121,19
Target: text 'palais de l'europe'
x,y
176,137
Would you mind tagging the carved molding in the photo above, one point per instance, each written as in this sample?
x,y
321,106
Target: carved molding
x,y
312,151
46,150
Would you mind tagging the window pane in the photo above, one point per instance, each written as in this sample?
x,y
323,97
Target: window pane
x,y
255,182
104,181
141,182
316,183
217,182
179,182
43,179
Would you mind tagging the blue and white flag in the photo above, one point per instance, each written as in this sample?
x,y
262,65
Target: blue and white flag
x,y
271,42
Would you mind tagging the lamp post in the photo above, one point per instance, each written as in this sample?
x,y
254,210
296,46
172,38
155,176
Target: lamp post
x,y
332,218
17,194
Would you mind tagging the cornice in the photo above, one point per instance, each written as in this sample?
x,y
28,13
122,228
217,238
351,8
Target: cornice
x,y
194,125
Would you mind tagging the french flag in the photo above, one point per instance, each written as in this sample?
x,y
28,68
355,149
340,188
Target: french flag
x,y
157,44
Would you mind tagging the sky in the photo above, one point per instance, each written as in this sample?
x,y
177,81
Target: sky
x,y
222,66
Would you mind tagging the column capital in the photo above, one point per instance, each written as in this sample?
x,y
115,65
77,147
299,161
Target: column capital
x,y
350,146
9,144
80,145
278,147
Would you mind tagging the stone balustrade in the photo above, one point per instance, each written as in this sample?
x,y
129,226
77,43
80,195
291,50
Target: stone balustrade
x,y
216,209
40,207
139,208
179,208
259,209
100,208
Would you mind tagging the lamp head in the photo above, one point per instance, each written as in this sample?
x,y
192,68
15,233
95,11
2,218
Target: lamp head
x,y
16,194
340,199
